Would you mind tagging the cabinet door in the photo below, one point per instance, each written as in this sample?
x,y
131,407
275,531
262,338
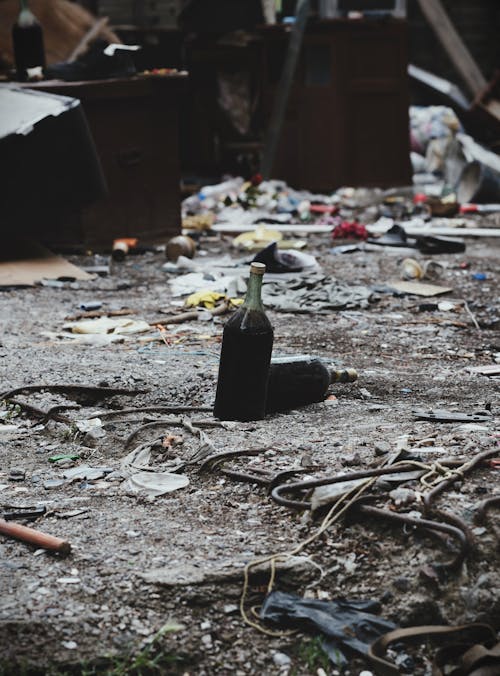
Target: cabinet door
x,y
374,92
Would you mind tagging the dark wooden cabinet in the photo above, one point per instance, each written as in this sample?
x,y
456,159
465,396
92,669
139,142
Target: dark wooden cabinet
x,y
135,126
347,117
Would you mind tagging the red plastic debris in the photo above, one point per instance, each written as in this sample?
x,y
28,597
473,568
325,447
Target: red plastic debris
x,y
323,208
350,230
256,179
469,209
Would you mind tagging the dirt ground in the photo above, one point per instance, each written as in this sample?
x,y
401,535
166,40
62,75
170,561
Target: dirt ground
x,y
153,586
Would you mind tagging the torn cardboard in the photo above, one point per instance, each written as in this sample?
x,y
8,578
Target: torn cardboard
x,y
24,262
418,288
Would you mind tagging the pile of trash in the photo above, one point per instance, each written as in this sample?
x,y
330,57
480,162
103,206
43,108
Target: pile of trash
x,y
450,168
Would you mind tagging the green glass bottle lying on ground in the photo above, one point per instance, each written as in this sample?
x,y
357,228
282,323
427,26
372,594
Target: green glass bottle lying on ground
x,y
301,380
247,342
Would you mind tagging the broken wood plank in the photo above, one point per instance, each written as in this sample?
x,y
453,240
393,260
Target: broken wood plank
x,y
95,314
418,288
235,228
485,370
413,230
453,44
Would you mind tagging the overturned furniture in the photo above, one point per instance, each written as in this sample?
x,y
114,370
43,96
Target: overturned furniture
x,y
48,162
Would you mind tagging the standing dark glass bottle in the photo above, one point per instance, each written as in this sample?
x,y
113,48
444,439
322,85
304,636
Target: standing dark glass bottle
x,y
247,343
27,40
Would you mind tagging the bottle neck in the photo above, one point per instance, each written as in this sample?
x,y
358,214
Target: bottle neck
x,y
253,300
26,17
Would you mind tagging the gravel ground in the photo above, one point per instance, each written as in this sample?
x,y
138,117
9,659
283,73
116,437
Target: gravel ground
x,y
162,579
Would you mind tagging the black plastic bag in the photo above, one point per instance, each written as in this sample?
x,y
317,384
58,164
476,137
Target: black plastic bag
x,y
345,623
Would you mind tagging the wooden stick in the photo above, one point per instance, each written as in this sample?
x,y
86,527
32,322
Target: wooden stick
x,y
93,314
34,537
84,389
88,37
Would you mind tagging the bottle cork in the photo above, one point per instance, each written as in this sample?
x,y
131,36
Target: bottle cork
x,y
257,268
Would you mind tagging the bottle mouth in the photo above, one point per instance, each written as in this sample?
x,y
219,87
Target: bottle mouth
x,y
257,268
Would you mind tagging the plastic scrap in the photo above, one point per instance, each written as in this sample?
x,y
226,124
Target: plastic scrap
x,y
86,473
285,261
91,305
231,283
442,415
141,478
107,325
63,456
199,222
93,427
156,483
396,237
351,230
93,339
208,299
256,239
314,292
348,624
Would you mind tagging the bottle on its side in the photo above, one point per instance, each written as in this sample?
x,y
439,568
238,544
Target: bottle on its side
x,y
301,380
247,343
27,41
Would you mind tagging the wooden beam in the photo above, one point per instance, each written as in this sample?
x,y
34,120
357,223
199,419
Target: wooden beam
x,y
453,44
92,33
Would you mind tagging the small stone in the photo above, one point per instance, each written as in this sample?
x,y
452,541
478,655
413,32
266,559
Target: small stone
x,y
43,591
53,483
132,533
206,639
64,463
230,608
381,447
353,460
281,660
70,645
402,496
17,474
406,663
205,625
401,583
